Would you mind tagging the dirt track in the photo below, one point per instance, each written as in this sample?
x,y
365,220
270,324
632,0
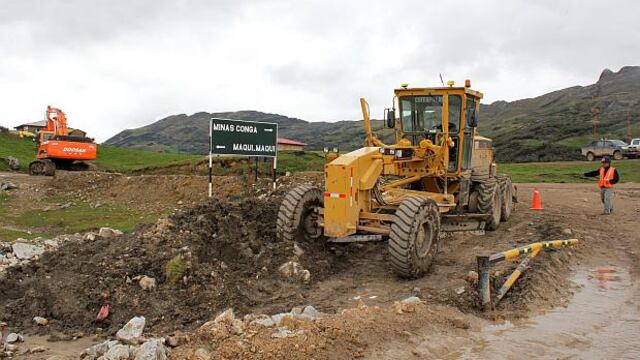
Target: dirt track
x,y
342,277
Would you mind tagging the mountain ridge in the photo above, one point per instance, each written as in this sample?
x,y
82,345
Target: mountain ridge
x,y
550,127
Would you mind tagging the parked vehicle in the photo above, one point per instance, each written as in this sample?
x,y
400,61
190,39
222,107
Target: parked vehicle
x,y
633,149
614,148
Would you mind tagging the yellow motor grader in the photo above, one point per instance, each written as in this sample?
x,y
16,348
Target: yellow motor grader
x,y
439,176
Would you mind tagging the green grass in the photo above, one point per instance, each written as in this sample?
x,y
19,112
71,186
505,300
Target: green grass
x,y
22,149
576,142
112,158
81,217
109,158
566,171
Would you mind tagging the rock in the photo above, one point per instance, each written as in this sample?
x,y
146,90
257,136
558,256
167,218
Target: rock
x,y
179,202
24,251
264,320
37,349
152,349
277,318
7,185
472,277
11,347
281,333
226,317
202,354
412,300
12,338
90,236
98,349
567,232
147,283
106,232
171,341
51,243
460,290
297,250
132,331
64,206
118,352
40,321
14,163
311,312
407,305
293,270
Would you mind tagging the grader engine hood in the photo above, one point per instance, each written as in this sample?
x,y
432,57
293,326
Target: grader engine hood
x,y
348,180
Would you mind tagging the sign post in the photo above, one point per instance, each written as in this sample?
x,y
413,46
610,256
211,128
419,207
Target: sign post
x,y
243,138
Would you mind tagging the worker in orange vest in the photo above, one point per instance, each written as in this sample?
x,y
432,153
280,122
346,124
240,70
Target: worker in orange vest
x,y
608,176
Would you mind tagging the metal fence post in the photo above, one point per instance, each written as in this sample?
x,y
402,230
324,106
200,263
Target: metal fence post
x,y
483,280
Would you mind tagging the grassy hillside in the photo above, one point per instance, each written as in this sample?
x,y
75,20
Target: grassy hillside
x,y
566,171
556,125
190,133
110,158
22,149
546,128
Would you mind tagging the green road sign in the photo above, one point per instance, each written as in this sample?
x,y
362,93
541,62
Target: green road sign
x,y
239,137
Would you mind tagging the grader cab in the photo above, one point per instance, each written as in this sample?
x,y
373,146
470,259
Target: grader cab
x,y
438,176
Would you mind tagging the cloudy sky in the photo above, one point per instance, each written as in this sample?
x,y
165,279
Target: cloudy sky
x,y
113,65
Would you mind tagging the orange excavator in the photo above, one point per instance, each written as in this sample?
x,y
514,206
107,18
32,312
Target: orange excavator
x,y
57,149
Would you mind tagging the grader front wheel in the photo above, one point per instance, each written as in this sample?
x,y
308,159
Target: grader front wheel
x,y
297,216
414,236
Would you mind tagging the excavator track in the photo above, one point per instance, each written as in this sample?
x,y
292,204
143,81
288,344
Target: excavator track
x,y
42,167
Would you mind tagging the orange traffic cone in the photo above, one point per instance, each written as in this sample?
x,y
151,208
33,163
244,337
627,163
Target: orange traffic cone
x,y
536,204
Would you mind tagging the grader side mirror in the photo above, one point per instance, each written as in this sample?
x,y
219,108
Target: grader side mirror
x,y
391,118
473,119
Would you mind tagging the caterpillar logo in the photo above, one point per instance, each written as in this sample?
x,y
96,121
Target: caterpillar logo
x,y
74,150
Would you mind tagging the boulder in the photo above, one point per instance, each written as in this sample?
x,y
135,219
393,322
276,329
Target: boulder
x,y
39,320
12,338
24,251
226,317
118,352
147,283
14,163
311,312
7,185
98,349
132,331
293,270
106,232
153,349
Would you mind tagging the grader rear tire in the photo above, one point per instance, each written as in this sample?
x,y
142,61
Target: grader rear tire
x,y
415,236
489,202
297,216
506,193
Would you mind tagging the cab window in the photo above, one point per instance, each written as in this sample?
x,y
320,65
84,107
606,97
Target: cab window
x,y
420,115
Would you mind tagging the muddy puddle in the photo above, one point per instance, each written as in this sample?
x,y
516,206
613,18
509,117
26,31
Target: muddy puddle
x,y
601,321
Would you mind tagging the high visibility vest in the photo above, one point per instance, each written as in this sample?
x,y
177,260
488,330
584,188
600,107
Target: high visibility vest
x,y
605,179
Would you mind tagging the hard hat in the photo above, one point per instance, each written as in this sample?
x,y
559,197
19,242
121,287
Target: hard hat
x,y
606,159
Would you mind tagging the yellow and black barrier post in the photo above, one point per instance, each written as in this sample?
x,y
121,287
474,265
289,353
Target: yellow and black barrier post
x,y
485,261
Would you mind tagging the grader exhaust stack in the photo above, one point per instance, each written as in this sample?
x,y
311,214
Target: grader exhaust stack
x,y
438,176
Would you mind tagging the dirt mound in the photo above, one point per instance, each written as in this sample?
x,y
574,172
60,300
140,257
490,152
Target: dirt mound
x,y
204,259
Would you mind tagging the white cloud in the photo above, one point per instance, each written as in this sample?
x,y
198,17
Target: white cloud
x,y
113,65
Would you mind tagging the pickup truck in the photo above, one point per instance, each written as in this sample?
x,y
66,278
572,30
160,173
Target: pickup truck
x,y
614,148
633,149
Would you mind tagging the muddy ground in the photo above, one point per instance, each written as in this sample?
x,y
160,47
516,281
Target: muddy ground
x,y
230,259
